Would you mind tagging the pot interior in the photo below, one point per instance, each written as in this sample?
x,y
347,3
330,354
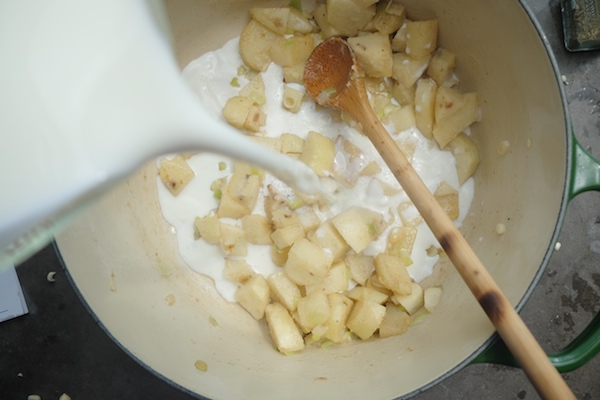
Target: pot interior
x,y
123,259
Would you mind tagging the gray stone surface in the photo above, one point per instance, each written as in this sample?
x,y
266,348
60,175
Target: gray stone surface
x,y
59,347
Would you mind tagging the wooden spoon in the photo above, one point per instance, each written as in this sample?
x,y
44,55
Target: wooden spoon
x,y
332,77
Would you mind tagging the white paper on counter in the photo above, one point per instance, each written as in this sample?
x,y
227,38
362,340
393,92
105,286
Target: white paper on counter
x,y
12,301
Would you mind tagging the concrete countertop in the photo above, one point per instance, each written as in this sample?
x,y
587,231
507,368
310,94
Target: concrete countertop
x,y
59,348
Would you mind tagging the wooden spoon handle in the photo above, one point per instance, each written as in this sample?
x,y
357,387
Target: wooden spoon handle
x,y
534,361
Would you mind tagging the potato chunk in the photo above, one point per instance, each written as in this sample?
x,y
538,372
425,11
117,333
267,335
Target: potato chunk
x,y
313,310
396,322
175,174
412,302
348,16
421,38
208,228
365,318
233,240
340,306
359,226
257,229
392,273
291,51
254,296
425,106
329,239
237,270
441,67
374,54
307,263
335,281
284,290
276,19
284,332
255,42
318,153
447,196
467,156
454,112
407,70
361,267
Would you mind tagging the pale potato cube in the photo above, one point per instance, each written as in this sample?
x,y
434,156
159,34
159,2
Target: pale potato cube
x,y
292,99
403,94
425,106
447,197
441,67
365,3
389,17
340,306
254,295
374,283
230,207
412,302
237,270
257,229
399,39
407,70
401,241
402,118
291,143
335,281
236,111
407,147
371,169
359,226
245,168
272,143
290,51
329,239
432,297
365,318
361,267
284,290
273,202
284,332
283,217
175,174
380,103
255,90
255,120
374,54
279,256
454,112
396,322
244,188
208,228
298,23
368,294
308,218
348,16
294,74
255,42
409,215
421,38
285,237
313,310
320,17
392,273
276,19
307,263
318,153
233,240
467,156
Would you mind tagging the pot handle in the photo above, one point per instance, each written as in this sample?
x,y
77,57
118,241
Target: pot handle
x,y
585,176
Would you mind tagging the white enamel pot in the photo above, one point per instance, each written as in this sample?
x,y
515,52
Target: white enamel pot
x,y
122,255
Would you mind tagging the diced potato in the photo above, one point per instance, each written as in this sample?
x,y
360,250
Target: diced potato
x,y
425,106
421,38
320,16
441,67
403,118
467,156
298,23
254,295
432,297
230,207
365,318
359,226
244,188
329,239
454,112
371,169
308,218
335,281
284,332
365,3
292,99
237,270
318,153
255,42
447,196
399,39
237,110
283,217
284,290
294,74
290,51
411,302
273,202
401,241
208,228
175,174
233,240
255,120
409,215
313,310
285,237
392,272
255,90
307,263
389,17
374,283
257,229
403,95
361,267
374,54
407,147
368,294
272,143
279,256
396,322
407,70
340,306
245,168
348,16
276,19
291,143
